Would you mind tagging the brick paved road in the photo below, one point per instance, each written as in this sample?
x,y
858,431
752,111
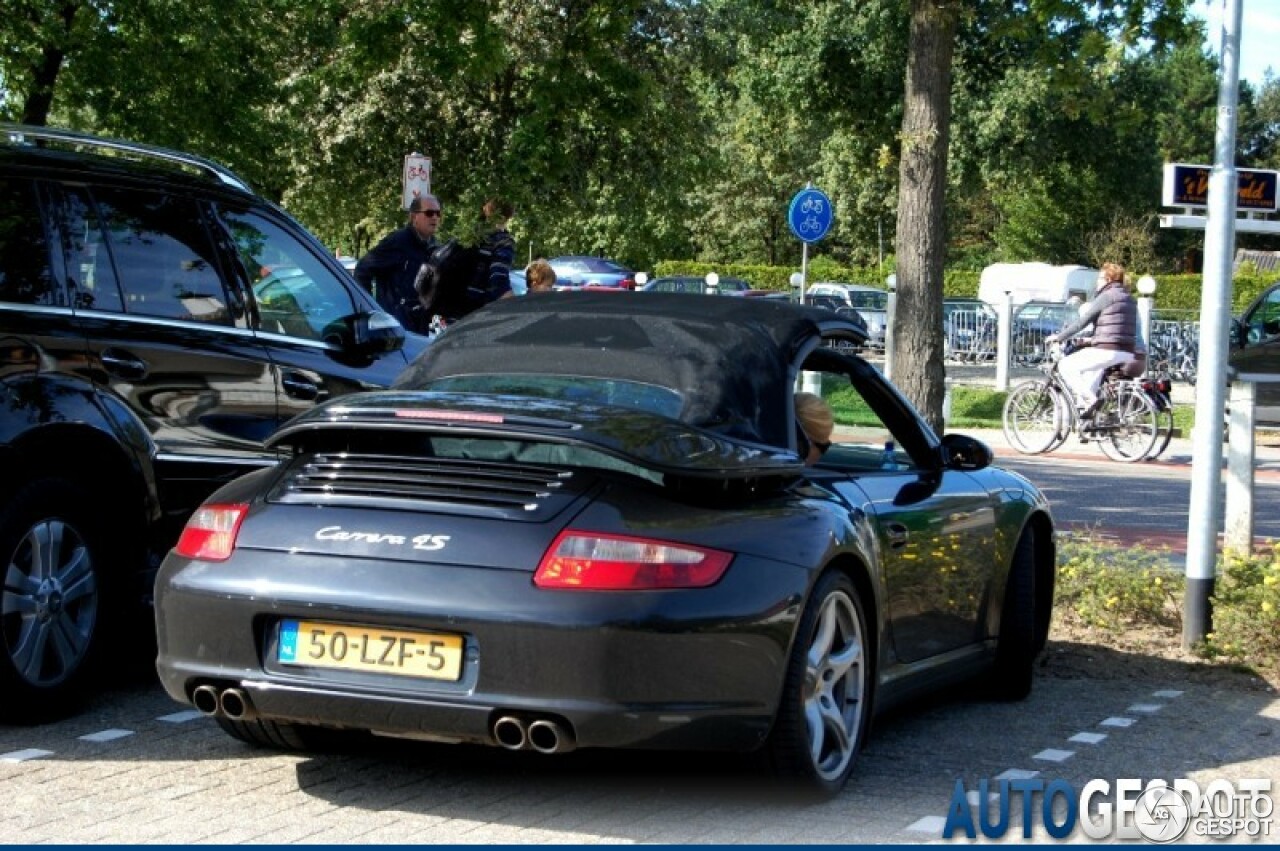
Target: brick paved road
x,y
135,768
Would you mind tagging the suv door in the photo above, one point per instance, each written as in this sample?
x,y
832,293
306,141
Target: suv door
x,y
167,337
305,309
1259,353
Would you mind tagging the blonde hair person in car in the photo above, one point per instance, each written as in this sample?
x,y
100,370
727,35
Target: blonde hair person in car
x,y
540,277
817,422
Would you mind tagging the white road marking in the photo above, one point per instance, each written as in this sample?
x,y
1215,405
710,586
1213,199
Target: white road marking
x,y
1167,693
106,735
1118,722
1017,774
181,717
929,824
1054,755
23,756
1147,708
1087,738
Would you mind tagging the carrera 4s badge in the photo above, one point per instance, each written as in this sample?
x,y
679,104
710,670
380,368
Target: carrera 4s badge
x,y
419,542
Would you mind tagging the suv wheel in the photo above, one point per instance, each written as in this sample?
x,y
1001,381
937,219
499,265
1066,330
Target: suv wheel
x,y
51,608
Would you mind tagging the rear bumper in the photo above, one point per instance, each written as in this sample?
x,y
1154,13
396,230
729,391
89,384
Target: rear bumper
x,y
690,669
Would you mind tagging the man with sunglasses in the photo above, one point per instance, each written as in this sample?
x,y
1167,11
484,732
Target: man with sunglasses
x,y
390,268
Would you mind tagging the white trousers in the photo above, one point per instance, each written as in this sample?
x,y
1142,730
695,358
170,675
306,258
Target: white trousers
x,y
1083,368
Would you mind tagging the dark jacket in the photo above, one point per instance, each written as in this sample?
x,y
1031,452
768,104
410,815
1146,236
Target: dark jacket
x,y
480,274
1114,316
388,271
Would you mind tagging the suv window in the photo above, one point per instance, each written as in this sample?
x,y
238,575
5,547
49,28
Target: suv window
x,y
1264,323
89,270
297,295
24,251
163,256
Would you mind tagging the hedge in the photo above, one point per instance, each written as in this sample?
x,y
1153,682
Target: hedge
x,y
1173,292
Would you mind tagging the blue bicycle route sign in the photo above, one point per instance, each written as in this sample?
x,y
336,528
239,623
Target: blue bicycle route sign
x,y
810,215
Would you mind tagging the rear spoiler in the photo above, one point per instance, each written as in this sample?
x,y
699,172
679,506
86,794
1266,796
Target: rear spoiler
x,y
654,442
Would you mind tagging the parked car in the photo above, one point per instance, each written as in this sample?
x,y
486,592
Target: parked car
x,y
578,271
696,284
871,302
519,281
1255,350
585,521
157,321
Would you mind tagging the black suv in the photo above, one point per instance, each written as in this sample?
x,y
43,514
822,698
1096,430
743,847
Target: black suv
x,y
1256,351
157,321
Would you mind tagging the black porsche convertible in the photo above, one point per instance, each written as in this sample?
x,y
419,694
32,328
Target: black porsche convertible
x,y
583,520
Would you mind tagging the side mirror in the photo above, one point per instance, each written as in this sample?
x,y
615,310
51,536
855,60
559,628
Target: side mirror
x,y
367,334
961,452
1238,334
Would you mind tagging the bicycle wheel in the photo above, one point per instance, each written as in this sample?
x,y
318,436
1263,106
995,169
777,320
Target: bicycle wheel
x,y
1128,425
1035,416
1164,422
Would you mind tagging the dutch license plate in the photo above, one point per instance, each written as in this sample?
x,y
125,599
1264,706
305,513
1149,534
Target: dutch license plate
x,y
361,648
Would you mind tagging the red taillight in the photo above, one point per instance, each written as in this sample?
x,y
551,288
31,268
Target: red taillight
x,y
210,534
627,283
595,562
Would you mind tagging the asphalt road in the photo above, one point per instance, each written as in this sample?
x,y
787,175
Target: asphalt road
x,y
1132,502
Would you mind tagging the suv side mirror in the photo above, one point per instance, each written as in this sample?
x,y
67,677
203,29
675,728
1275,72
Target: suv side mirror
x,y
376,333
366,334
1237,334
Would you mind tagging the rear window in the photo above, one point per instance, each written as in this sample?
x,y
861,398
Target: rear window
x,y
25,277
651,398
872,300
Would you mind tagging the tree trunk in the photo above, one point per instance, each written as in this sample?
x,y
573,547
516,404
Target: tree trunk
x,y
44,74
921,241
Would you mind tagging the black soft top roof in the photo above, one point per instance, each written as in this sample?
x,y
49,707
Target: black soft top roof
x,y
731,360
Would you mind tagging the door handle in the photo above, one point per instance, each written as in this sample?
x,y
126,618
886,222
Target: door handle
x,y
123,364
897,534
298,386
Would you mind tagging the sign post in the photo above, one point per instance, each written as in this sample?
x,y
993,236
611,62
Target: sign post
x,y
1205,515
809,217
417,178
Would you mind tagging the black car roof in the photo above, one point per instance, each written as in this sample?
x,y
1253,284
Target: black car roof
x,y
732,360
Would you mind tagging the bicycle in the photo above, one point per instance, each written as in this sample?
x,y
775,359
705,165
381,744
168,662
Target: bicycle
x,y
1041,414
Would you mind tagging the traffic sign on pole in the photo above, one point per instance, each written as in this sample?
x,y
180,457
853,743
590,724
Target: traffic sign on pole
x,y
417,177
810,215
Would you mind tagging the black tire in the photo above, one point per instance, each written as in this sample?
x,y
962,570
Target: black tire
x,y
1036,418
825,708
279,735
1018,643
55,605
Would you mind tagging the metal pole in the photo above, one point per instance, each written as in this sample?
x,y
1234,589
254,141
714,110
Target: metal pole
x,y
1004,342
890,317
1238,532
1145,305
804,271
1204,517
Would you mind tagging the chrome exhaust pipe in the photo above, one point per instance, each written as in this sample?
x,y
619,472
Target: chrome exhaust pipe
x,y
235,704
205,700
511,732
547,736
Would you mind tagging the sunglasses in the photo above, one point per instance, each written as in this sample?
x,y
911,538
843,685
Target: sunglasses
x,y
431,214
